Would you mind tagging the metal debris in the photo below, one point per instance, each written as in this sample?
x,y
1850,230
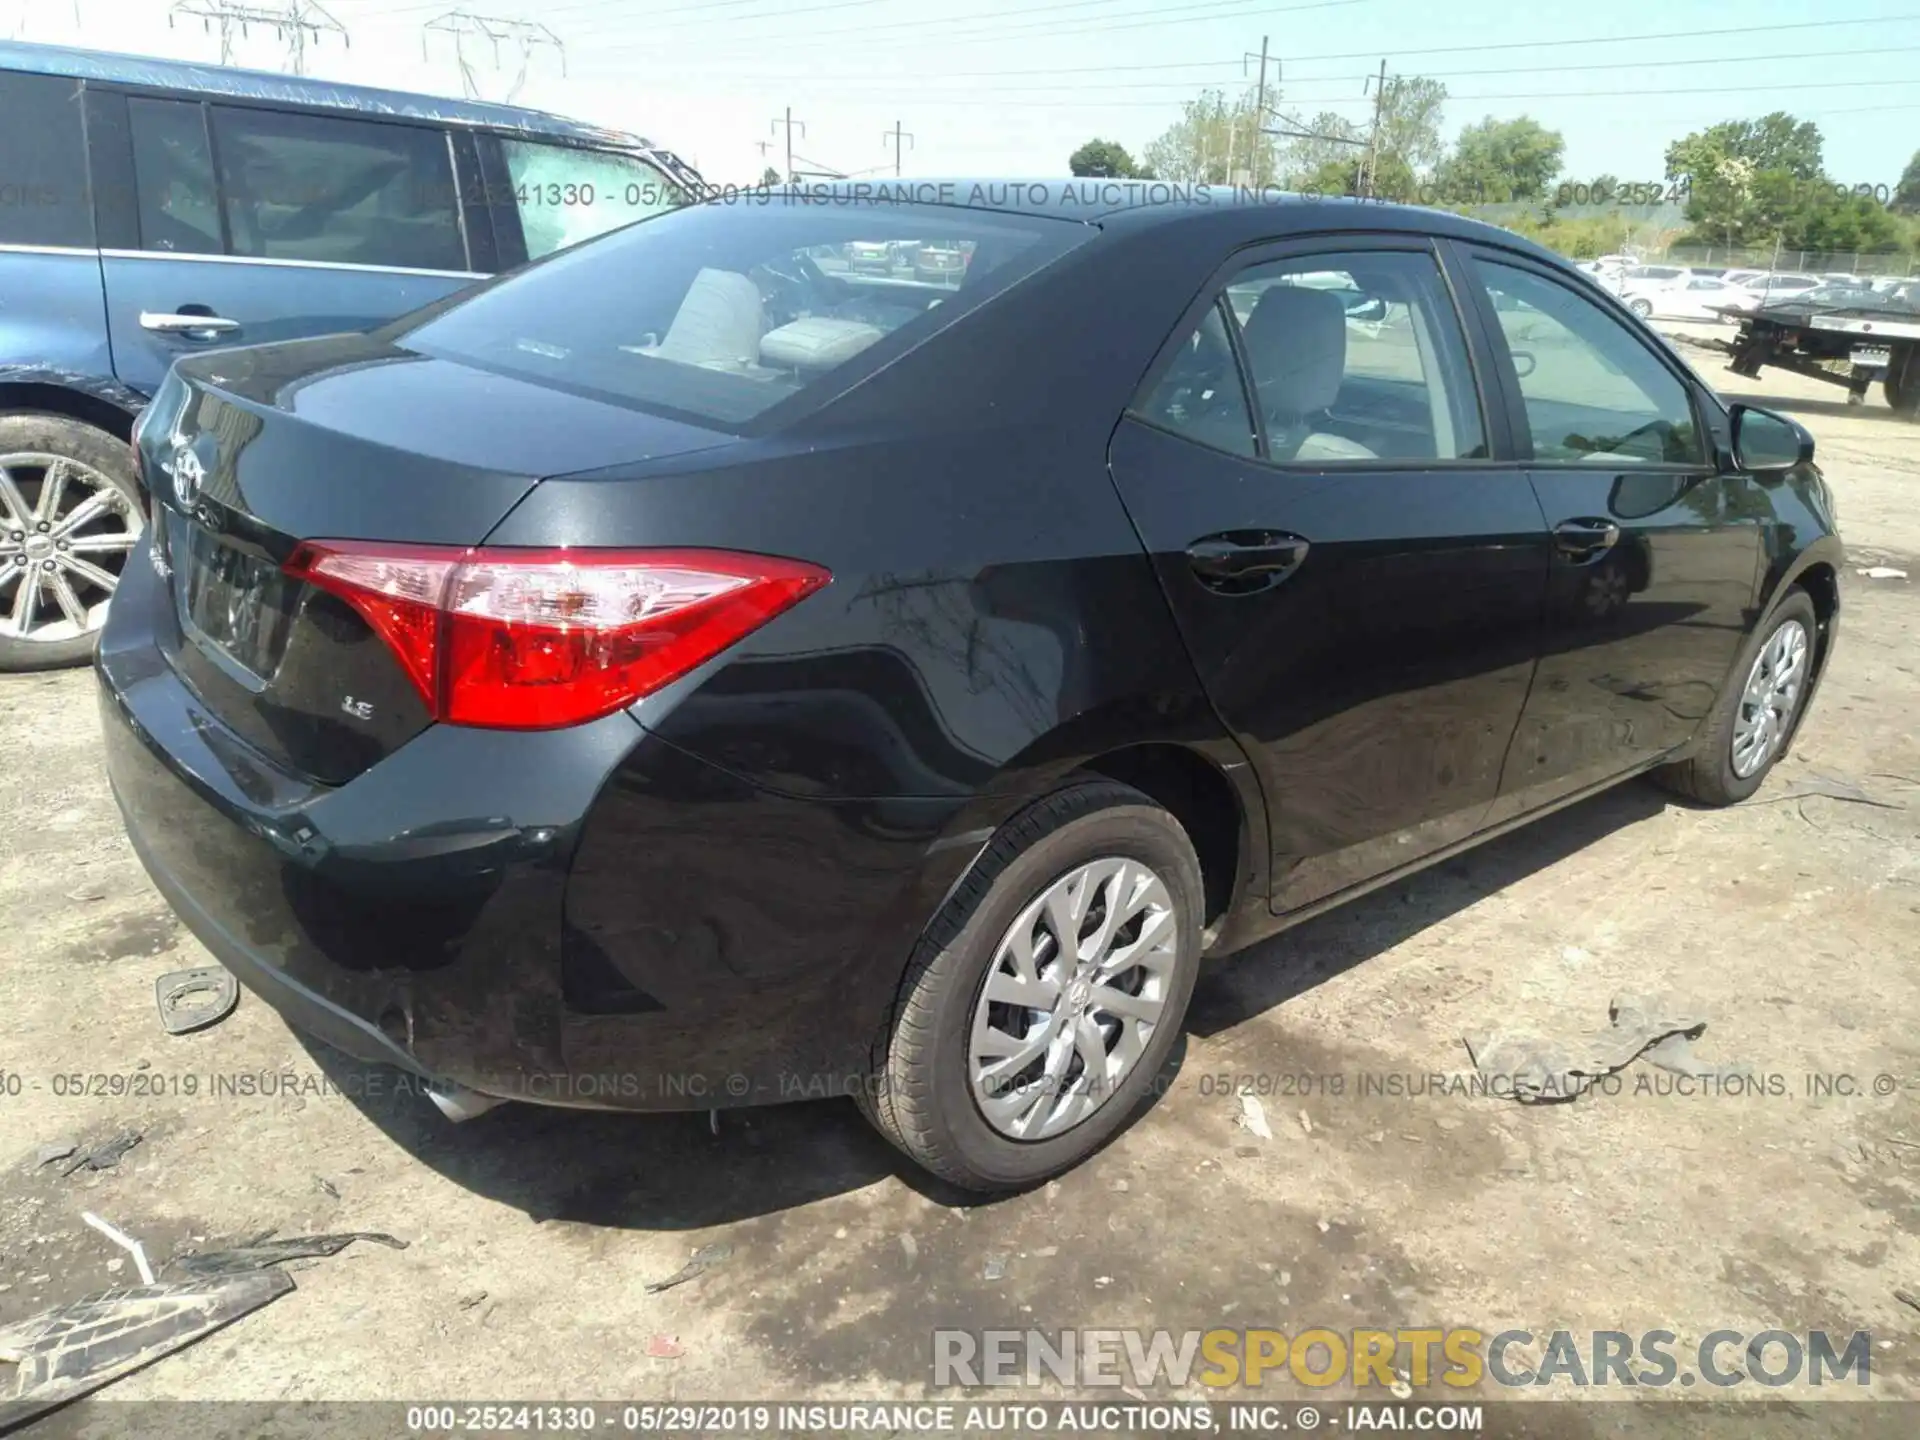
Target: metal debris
x,y
994,1268
47,1154
194,999
704,1259
1833,788
63,1353
103,1157
261,1253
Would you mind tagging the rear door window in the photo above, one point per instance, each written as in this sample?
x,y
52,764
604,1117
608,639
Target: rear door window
x,y
565,195
43,163
350,192
173,177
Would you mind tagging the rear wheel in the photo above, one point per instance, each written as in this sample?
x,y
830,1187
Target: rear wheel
x,y
1642,308
1754,718
1902,385
70,516
1046,995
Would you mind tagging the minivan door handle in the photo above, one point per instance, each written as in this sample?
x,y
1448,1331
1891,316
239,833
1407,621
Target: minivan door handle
x,y
1585,539
1242,561
194,327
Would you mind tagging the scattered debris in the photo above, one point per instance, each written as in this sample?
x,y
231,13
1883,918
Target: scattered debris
x,y
1881,572
63,1353
1102,1281
704,1259
1323,1226
910,1246
994,1268
103,1157
1533,1070
261,1253
1247,1152
1907,1298
326,1187
1046,1252
87,894
1306,1125
1833,788
664,1347
467,1302
125,1241
1400,1389
1134,1393
47,1154
1121,1187
1253,1117
194,999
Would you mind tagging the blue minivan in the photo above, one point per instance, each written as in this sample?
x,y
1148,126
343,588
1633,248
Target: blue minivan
x,y
151,209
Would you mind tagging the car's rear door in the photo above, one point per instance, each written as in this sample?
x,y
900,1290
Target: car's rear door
x,y
1656,549
1358,577
225,224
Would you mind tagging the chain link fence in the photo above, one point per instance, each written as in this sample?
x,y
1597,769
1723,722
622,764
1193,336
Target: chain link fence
x,y
1814,262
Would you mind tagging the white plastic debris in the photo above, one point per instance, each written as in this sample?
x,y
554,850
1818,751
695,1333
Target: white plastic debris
x,y
1882,572
1253,1117
125,1242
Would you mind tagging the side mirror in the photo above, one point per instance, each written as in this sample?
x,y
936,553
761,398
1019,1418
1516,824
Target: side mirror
x,y
1765,441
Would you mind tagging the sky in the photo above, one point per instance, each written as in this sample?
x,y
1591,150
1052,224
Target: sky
x,y
996,87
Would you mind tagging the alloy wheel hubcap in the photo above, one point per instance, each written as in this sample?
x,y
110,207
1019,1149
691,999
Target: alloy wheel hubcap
x,y
65,534
1773,690
1074,994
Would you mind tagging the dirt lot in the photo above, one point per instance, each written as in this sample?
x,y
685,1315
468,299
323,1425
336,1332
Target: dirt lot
x,y
1790,923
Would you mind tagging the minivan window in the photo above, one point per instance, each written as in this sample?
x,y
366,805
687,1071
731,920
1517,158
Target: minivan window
x,y
722,310
43,163
173,177
353,192
565,195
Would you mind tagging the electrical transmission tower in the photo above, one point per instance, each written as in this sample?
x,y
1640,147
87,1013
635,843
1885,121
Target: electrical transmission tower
x,y
522,37
22,8
296,23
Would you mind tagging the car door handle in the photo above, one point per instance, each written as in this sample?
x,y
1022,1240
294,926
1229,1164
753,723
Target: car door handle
x,y
1585,539
1239,558
172,323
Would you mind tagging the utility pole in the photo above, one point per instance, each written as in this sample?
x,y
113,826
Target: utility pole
x,y
788,122
293,22
1370,175
525,36
1259,109
897,135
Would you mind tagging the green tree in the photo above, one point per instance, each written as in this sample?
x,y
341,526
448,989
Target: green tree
x,y
1312,146
1495,161
1906,195
1410,120
1105,159
1215,141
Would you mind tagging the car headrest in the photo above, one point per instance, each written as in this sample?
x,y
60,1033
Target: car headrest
x,y
1296,341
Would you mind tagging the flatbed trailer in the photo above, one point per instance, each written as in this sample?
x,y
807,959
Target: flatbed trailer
x,y
1851,345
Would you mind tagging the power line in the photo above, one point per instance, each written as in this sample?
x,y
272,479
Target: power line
x,y
897,135
523,36
293,22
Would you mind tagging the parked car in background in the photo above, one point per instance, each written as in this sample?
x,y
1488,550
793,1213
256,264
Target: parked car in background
x,y
165,209
878,688
1742,277
1690,297
1763,288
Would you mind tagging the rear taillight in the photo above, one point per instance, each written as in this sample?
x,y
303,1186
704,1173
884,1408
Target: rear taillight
x,y
538,639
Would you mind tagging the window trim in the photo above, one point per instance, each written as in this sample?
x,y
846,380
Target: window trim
x,y
1495,420
1707,421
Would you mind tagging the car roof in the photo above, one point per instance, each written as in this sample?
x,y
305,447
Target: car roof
x,y
1151,203
234,83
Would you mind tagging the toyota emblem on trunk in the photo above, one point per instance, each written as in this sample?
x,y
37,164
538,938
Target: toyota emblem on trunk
x,y
188,476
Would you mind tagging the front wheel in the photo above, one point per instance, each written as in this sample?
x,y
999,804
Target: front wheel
x,y
1642,308
1044,998
1754,718
70,516
1902,383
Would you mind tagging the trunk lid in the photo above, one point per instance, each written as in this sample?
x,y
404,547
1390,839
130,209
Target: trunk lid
x,y
249,452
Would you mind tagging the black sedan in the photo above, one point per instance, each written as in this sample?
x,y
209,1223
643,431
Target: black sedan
x,y
679,675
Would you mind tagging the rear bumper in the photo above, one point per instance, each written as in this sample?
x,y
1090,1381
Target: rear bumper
x,y
587,917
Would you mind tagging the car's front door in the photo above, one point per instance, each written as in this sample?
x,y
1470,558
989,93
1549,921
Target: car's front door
x,y
1656,549
225,224
1360,583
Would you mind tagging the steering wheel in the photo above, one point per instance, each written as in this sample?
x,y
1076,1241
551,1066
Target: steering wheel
x,y
792,287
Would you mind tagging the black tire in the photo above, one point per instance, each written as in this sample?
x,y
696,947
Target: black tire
x,y
919,1093
1709,776
1642,308
1902,383
32,431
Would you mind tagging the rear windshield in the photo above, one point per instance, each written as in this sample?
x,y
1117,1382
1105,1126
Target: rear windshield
x,y
721,310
